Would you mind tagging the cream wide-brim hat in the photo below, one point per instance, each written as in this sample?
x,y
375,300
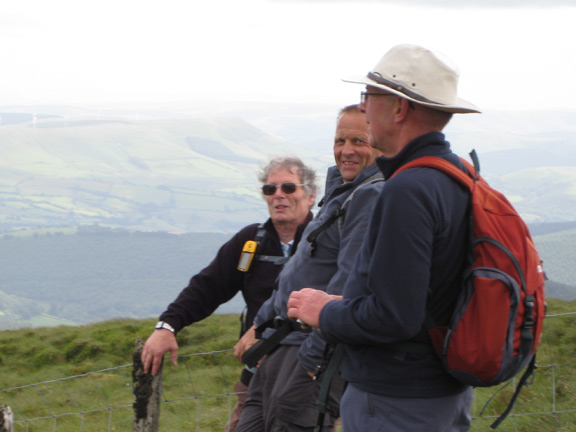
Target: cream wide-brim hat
x,y
419,75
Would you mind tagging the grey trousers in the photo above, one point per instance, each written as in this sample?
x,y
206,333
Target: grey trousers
x,y
241,389
362,412
282,397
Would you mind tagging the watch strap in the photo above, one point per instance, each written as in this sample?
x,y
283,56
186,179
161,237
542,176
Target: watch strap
x,y
164,325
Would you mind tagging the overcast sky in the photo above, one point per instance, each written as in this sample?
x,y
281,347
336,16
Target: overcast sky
x,y
512,54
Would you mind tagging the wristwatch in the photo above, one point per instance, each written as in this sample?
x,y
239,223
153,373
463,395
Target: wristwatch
x,y
165,325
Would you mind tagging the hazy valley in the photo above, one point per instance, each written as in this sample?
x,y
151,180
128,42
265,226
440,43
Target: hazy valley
x,y
193,168
128,176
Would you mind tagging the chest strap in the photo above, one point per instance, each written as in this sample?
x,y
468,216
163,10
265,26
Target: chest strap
x,y
264,347
277,260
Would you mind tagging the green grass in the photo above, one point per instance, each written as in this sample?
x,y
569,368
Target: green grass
x,y
553,388
100,355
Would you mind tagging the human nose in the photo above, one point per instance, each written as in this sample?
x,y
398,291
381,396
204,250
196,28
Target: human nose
x,y
348,148
279,192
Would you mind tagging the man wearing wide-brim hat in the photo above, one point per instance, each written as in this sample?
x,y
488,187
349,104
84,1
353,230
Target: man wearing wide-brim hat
x,y
410,260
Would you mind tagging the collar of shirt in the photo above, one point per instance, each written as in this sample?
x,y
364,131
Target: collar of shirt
x,y
287,247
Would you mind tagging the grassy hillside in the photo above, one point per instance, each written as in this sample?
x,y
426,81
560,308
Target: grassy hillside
x,y
177,175
47,355
105,397
164,168
42,354
558,252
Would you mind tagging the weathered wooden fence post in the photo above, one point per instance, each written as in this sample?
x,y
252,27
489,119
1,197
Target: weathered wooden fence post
x,y
6,419
147,393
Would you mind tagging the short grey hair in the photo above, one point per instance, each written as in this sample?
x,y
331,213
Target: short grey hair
x,y
307,175
349,109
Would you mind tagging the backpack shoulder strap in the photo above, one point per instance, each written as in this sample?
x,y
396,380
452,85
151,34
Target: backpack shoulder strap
x,y
340,213
467,179
260,233
277,260
378,177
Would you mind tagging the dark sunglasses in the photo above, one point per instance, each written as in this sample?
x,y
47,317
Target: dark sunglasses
x,y
287,188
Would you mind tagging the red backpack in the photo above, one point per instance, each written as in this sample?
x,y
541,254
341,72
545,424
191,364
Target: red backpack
x,y
496,325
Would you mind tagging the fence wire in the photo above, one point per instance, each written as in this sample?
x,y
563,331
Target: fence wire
x,y
198,394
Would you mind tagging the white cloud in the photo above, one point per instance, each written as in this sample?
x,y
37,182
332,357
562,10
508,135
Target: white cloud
x,y
73,51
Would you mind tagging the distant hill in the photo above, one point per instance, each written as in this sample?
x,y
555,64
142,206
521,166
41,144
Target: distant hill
x,y
191,167
169,175
558,250
129,175
94,273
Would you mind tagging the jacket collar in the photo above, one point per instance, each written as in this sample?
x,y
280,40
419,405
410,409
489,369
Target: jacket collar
x,y
338,188
430,144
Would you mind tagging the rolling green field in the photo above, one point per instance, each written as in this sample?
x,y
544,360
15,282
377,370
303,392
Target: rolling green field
x,y
85,373
80,377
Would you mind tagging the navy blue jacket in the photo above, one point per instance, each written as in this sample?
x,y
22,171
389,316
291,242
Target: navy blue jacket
x,y
411,260
335,249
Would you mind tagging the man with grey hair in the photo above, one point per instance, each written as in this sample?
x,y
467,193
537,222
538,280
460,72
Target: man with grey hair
x,y
410,265
289,189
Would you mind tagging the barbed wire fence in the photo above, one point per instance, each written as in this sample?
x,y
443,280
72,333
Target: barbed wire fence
x,y
198,395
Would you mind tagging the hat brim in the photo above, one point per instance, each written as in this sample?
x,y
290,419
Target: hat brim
x,y
460,107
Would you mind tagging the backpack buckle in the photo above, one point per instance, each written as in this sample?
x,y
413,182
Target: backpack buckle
x,y
529,312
